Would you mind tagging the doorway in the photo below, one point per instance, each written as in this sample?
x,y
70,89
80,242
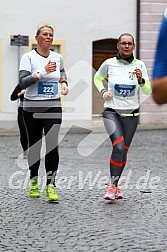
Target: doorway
x,y
102,50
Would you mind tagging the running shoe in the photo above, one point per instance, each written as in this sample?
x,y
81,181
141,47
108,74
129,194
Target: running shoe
x,y
34,191
51,193
110,194
118,194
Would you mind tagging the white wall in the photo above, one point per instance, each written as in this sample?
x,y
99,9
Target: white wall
x,y
78,23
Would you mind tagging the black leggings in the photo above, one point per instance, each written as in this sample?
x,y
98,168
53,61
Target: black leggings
x,y
22,129
121,130
35,126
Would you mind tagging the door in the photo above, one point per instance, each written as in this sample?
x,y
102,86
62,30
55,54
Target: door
x,y
102,50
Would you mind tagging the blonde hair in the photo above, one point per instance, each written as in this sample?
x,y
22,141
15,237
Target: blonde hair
x,y
39,29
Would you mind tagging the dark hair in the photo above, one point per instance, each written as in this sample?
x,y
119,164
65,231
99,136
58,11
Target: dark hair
x,y
39,29
125,34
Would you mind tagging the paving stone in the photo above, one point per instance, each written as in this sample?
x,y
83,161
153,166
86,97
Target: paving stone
x,y
82,220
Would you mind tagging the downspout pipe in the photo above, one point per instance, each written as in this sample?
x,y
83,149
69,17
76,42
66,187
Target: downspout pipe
x,y
138,29
138,35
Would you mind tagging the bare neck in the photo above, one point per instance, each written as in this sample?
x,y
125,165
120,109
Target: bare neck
x,y
43,52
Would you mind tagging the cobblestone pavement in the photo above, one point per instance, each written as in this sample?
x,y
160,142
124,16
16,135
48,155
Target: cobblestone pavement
x,y
82,220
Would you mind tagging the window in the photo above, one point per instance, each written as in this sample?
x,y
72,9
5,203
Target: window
x,y
57,46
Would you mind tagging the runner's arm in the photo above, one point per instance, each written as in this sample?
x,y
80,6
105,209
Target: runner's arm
x,y
98,80
159,82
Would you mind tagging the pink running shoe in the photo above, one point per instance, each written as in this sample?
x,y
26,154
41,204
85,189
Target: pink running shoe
x,y
118,194
110,194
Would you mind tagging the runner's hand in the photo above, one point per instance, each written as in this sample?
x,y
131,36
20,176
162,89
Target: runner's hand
x,y
64,89
50,67
107,95
138,75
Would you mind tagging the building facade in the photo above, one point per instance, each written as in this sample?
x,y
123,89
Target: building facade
x,y
86,33
151,13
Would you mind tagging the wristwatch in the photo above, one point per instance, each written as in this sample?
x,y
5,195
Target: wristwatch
x,y
142,83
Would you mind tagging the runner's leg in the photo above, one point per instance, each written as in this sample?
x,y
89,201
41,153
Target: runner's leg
x,y
51,131
34,130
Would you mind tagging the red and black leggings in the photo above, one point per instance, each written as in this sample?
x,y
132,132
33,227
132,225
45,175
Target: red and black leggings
x,y
121,130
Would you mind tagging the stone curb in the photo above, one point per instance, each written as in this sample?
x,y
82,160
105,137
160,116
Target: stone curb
x,y
86,129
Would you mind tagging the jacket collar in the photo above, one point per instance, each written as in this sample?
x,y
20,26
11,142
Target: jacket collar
x,y
125,61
